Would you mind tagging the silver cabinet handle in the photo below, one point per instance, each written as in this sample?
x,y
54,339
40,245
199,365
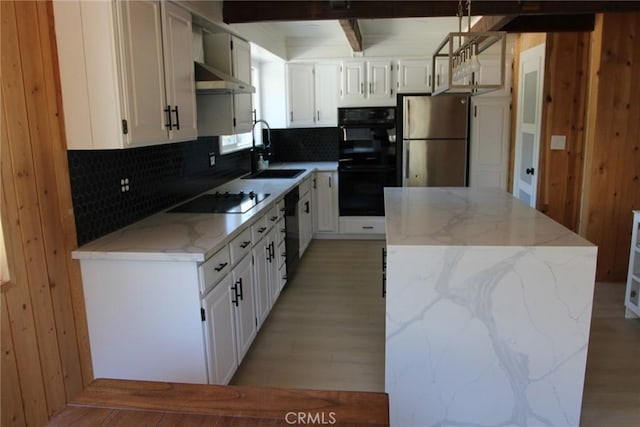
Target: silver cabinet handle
x,y
329,181
406,172
362,88
370,88
318,114
291,116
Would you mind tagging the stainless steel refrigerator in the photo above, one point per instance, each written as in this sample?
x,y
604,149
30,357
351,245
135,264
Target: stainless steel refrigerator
x,y
435,141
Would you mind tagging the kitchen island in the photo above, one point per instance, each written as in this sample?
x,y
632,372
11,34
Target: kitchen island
x,y
488,311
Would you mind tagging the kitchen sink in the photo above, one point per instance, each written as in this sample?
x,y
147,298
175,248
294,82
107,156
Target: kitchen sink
x,y
275,174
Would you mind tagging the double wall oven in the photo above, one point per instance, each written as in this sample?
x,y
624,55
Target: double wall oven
x,y
368,159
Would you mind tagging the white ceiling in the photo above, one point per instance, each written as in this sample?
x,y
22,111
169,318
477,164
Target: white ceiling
x,y
379,35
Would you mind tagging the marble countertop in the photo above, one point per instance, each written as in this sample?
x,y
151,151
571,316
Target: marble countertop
x,y
469,217
194,237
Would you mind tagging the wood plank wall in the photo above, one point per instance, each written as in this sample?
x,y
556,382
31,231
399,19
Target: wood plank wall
x,y
563,113
45,350
612,145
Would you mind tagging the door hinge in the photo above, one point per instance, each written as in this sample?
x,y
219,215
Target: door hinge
x,y
202,315
125,127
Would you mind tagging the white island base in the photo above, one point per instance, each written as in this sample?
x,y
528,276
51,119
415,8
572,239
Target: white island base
x,y
488,311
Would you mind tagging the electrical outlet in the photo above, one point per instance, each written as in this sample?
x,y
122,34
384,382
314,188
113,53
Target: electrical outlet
x,y
124,185
212,160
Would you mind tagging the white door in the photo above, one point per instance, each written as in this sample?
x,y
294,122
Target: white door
x,y
220,332
414,75
245,309
242,105
352,81
144,72
261,279
180,83
525,173
326,79
300,95
325,202
379,76
489,142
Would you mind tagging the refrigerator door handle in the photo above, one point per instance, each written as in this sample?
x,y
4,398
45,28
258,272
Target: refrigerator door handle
x,y
406,173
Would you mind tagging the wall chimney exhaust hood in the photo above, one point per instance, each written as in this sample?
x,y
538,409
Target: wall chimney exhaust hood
x,y
212,81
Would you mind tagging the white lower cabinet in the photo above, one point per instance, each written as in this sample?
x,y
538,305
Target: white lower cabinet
x,y
244,303
325,202
262,278
220,332
306,221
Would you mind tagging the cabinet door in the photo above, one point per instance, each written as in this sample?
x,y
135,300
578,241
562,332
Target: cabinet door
x,y
325,202
490,68
326,85
262,279
441,73
220,332
273,262
178,65
414,76
245,307
242,105
353,81
379,77
489,141
306,223
300,85
143,72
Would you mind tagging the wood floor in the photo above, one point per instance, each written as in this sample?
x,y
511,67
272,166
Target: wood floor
x,y
327,332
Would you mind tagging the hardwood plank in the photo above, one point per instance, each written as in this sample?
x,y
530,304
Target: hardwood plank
x,y
54,260
10,399
19,304
233,401
81,416
58,145
31,216
611,395
326,330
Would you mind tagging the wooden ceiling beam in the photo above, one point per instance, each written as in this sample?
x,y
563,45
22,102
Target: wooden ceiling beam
x,y
256,11
352,31
492,23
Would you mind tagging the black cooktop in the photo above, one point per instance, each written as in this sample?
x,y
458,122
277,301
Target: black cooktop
x,y
221,203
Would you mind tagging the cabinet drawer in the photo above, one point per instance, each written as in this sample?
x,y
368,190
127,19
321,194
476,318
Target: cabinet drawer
x,y
280,208
214,269
362,225
272,216
259,229
304,186
240,246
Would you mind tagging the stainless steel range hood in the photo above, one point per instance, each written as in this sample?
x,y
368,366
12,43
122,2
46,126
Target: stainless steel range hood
x,y
210,80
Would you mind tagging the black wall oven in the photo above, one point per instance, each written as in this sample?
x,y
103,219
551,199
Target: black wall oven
x,y
367,159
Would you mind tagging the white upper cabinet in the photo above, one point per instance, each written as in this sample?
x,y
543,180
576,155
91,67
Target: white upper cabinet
x,y
226,114
312,94
326,80
353,81
366,83
123,76
300,86
178,65
414,76
490,74
379,79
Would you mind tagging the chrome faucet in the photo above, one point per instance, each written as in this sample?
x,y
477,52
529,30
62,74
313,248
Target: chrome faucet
x,y
267,146
268,132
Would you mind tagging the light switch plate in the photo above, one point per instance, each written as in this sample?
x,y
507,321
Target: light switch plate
x,y
558,142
